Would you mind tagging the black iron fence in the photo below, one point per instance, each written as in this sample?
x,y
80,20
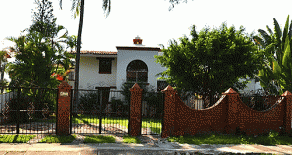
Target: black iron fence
x,y
99,112
28,111
198,102
258,100
152,113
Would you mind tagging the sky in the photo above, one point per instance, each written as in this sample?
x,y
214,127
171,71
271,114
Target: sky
x,y
150,19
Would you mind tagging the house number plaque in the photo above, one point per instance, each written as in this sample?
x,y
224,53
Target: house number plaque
x,y
63,94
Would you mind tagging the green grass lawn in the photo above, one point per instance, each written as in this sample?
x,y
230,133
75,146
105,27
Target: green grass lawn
x,y
66,139
15,138
153,124
129,139
99,139
271,139
58,139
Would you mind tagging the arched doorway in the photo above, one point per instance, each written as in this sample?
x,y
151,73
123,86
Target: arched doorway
x,y
137,71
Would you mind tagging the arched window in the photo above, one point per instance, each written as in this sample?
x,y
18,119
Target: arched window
x,y
137,71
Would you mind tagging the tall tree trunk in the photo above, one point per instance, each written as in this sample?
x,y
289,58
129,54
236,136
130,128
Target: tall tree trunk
x,y
76,97
2,78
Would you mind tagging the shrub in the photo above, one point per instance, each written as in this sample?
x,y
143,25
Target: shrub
x,y
18,103
273,134
155,99
22,100
255,102
117,104
126,86
88,100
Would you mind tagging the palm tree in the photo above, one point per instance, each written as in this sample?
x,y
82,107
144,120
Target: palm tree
x,y
3,61
276,72
78,6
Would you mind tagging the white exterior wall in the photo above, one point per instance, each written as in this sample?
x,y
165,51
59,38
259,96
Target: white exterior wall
x,y
126,56
90,78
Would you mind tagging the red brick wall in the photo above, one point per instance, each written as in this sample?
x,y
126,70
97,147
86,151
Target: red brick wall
x,y
135,111
64,96
223,117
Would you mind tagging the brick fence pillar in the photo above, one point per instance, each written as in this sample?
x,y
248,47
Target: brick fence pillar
x,y
63,118
169,124
232,101
288,108
135,111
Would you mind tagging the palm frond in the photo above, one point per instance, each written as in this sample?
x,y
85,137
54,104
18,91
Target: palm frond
x,y
285,32
287,54
290,30
276,69
265,36
60,3
76,7
259,41
270,31
278,33
64,35
107,6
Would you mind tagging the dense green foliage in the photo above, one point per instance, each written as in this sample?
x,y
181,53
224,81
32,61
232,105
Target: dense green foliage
x,y
3,66
89,100
276,74
211,62
118,105
126,86
39,52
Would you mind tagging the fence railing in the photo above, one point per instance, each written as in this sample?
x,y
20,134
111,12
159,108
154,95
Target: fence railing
x,y
259,101
4,98
198,103
23,109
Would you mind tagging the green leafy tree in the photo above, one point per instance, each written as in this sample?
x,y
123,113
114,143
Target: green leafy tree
x,y
43,19
3,66
41,50
32,68
211,62
276,73
38,55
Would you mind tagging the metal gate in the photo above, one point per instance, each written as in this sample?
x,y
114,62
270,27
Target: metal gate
x,y
98,112
28,110
152,113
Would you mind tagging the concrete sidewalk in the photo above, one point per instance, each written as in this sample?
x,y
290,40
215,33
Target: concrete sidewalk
x,y
123,148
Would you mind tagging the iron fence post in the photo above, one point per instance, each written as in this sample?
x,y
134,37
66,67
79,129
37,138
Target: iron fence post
x,y
56,108
129,118
57,111
71,107
100,110
17,109
162,119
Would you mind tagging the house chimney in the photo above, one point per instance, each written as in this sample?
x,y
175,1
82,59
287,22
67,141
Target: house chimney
x,y
137,40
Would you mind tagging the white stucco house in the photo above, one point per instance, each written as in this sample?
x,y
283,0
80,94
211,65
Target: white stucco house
x,y
129,63
111,69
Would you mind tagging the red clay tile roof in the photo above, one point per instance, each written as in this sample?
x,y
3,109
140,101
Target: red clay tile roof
x,y
138,48
97,52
